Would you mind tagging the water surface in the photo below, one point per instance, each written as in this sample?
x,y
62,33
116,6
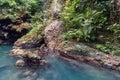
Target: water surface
x,y
58,70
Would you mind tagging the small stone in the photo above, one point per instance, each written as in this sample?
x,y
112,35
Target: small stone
x,y
43,62
108,66
98,53
26,73
118,68
98,59
20,63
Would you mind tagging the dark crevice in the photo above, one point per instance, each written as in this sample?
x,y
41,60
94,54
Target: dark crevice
x,y
35,44
7,34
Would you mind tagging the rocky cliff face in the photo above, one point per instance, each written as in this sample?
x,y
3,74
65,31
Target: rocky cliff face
x,y
117,8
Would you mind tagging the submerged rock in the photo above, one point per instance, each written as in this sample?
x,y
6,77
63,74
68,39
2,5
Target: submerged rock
x,y
107,65
43,62
20,63
30,56
31,62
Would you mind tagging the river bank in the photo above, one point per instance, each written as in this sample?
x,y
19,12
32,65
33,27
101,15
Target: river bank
x,y
92,56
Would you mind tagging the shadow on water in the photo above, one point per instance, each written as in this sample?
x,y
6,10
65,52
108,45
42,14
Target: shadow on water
x,y
59,69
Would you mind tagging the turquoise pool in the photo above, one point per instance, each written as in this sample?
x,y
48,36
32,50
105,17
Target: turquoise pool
x,y
59,69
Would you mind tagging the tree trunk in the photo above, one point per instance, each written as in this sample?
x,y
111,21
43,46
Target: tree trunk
x,y
117,8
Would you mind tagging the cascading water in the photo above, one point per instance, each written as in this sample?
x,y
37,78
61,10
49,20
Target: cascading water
x,y
55,6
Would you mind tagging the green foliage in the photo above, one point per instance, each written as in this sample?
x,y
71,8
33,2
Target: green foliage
x,y
17,8
81,24
109,48
93,20
102,48
115,28
37,29
36,24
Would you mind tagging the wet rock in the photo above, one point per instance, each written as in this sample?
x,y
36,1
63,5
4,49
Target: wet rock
x,y
43,62
98,59
52,33
20,63
18,52
96,63
67,56
28,74
34,44
117,64
31,57
118,68
107,66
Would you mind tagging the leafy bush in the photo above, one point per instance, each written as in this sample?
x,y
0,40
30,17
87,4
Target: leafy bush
x,y
17,8
93,20
109,48
82,24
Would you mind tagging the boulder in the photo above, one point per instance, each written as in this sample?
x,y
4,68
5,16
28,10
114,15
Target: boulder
x,y
108,66
20,63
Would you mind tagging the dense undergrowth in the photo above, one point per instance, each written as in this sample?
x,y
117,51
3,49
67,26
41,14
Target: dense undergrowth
x,y
23,11
14,9
93,21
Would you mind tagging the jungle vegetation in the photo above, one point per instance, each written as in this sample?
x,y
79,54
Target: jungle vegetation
x,y
96,22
